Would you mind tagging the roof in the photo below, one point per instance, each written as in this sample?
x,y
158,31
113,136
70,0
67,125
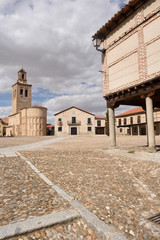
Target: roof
x,y
49,125
34,106
22,70
100,117
120,16
71,108
131,112
5,120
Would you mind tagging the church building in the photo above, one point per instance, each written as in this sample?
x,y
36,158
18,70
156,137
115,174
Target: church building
x,y
26,120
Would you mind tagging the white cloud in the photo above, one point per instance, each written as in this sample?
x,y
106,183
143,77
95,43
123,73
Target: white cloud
x,y
5,111
52,39
93,103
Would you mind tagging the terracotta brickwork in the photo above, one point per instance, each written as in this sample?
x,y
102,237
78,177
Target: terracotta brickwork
x,y
132,49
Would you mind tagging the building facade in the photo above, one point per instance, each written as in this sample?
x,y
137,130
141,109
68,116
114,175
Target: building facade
x,y
26,120
75,121
133,122
130,46
100,125
3,126
50,129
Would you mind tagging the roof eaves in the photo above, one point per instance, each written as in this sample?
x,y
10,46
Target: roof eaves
x,y
119,17
71,108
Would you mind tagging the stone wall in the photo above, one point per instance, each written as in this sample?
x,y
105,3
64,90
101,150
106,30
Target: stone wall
x,y
28,122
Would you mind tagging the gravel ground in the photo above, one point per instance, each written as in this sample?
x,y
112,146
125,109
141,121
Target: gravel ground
x,y
121,191
23,194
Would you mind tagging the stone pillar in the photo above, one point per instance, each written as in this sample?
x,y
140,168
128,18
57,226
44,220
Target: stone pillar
x,y
112,132
150,122
147,130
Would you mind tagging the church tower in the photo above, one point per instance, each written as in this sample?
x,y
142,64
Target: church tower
x,y
21,93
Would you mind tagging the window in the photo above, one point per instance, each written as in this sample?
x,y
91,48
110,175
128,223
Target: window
x,y
125,121
99,123
59,119
119,122
89,129
26,93
131,120
138,119
120,130
73,119
89,120
21,91
22,76
59,129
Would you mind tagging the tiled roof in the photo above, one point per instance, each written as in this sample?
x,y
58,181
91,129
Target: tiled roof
x,y
131,111
22,70
100,117
121,15
5,120
49,125
34,106
71,108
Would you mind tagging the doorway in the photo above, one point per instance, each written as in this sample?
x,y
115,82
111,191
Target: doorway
x,y
73,131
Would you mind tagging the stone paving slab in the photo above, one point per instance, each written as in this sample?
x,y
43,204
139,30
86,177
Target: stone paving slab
x,y
21,140
74,230
35,223
10,151
119,190
144,156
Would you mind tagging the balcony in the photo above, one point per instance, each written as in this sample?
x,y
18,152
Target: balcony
x,y
71,123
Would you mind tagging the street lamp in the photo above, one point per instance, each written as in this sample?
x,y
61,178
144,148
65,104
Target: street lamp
x,y
97,41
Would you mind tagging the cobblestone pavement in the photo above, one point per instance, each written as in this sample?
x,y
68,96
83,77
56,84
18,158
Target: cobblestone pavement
x,y
23,194
121,191
75,230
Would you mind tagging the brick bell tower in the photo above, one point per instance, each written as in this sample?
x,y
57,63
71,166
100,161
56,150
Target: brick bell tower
x,y
21,92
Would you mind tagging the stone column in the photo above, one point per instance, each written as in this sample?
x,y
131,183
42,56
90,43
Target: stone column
x,y
147,130
112,132
150,122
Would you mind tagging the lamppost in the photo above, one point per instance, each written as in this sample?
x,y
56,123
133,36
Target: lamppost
x,y
97,41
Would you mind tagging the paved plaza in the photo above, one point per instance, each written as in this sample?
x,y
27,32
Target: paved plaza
x,y
101,193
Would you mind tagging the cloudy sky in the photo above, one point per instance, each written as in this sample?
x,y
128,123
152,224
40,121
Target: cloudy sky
x,y
52,40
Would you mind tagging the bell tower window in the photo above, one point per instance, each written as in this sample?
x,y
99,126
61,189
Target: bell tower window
x,y
21,92
22,76
26,93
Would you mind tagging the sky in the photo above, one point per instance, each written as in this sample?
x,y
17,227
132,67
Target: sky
x,y
52,41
